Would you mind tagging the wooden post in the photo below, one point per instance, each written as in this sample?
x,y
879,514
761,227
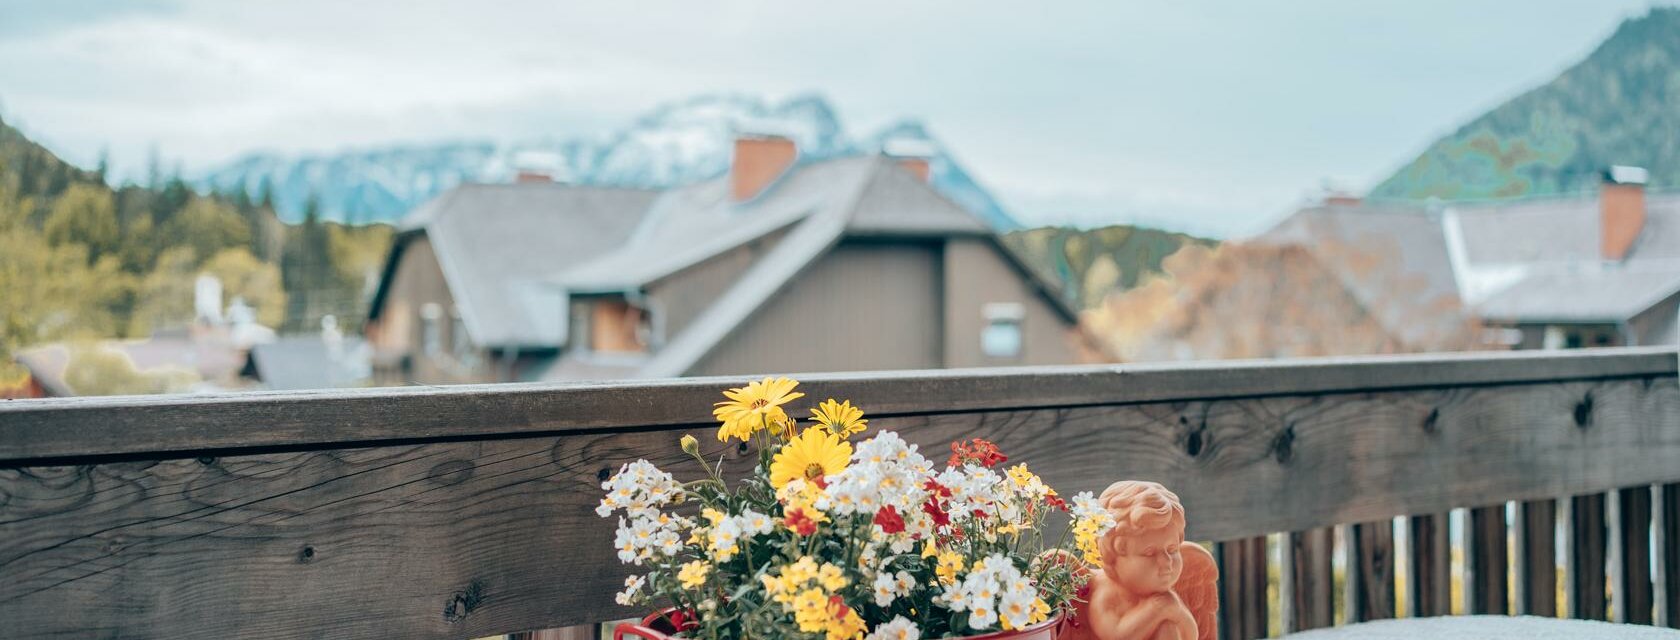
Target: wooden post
x,y
1631,565
1585,557
1369,562
1307,580
1537,558
1668,555
1485,585
1242,588
1429,579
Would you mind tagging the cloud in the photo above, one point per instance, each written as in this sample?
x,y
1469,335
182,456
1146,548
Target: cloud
x,y
1209,115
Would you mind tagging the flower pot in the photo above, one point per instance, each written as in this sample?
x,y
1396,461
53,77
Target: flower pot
x,y
659,626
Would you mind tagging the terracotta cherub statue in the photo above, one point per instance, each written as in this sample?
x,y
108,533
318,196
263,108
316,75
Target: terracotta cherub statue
x,y
1153,584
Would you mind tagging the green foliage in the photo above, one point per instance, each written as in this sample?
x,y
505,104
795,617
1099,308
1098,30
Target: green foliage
x,y
165,297
52,292
257,282
95,370
84,214
81,260
207,226
1092,263
1615,107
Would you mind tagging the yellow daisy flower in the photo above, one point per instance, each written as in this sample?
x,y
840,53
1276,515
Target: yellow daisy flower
x,y
693,574
754,407
841,418
809,456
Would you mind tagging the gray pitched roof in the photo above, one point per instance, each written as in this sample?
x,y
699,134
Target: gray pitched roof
x,y
1551,230
495,243
1596,296
1525,260
1393,259
306,362
822,202
687,225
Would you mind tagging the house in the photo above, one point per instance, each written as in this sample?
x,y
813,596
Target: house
x,y
779,265
1551,272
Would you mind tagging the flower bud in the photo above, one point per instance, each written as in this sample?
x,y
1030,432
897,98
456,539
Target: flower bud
x,y
690,446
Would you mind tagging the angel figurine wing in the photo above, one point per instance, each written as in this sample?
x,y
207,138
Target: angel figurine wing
x,y
1198,587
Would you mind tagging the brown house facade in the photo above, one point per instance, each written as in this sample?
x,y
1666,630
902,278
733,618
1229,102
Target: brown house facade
x,y
778,266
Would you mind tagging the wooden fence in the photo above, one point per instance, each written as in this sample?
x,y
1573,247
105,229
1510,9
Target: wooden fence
x,y
467,511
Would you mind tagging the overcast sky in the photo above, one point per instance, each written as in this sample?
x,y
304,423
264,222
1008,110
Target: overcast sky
x,y
1213,117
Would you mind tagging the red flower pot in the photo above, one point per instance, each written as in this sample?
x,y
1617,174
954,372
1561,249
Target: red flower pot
x,y
668,624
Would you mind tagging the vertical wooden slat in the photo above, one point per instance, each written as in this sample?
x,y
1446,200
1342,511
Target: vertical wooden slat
x,y
1536,534
579,632
1585,556
1429,567
1242,588
1668,555
1369,562
1485,588
1307,580
1631,599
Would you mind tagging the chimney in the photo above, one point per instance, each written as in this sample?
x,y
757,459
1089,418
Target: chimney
x,y
525,177
1621,210
913,155
759,160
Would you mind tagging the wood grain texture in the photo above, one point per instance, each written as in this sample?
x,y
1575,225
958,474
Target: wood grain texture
x,y
490,529
1308,581
1429,567
1243,603
1585,558
1486,562
186,424
1631,557
1369,570
1536,561
1668,555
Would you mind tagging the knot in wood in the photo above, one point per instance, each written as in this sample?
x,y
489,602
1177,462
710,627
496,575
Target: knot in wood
x,y
1193,444
1432,421
1283,448
1583,411
306,554
463,602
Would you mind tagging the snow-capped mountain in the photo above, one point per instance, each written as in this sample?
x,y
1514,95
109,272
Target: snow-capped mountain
x,y
674,144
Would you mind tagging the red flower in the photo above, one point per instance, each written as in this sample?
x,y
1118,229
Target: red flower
x,y
838,606
977,451
1056,501
937,489
937,510
800,523
889,520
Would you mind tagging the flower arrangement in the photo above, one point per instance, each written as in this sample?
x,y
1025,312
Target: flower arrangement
x,y
830,539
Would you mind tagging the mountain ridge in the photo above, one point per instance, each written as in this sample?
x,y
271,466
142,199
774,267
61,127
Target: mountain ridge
x,y
1610,108
674,143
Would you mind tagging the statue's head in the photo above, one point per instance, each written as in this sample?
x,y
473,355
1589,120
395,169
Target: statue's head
x,y
1141,553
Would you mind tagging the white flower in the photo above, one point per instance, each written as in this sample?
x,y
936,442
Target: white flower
x,y
632,587
897,629
1016,609
888,587
979,591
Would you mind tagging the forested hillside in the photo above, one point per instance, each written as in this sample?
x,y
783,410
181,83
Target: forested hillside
x,y
80,259
1616,107
1091,263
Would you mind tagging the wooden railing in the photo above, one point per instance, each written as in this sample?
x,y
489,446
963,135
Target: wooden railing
x,y
467,511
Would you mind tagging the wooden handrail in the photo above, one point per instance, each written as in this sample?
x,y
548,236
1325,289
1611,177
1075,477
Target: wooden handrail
x,y
468,511
183,425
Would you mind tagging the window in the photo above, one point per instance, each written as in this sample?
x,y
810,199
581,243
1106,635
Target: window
x,y
616,326
431,335
459,343
1001,337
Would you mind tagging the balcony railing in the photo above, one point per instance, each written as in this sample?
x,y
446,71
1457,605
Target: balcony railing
x,y
467,511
